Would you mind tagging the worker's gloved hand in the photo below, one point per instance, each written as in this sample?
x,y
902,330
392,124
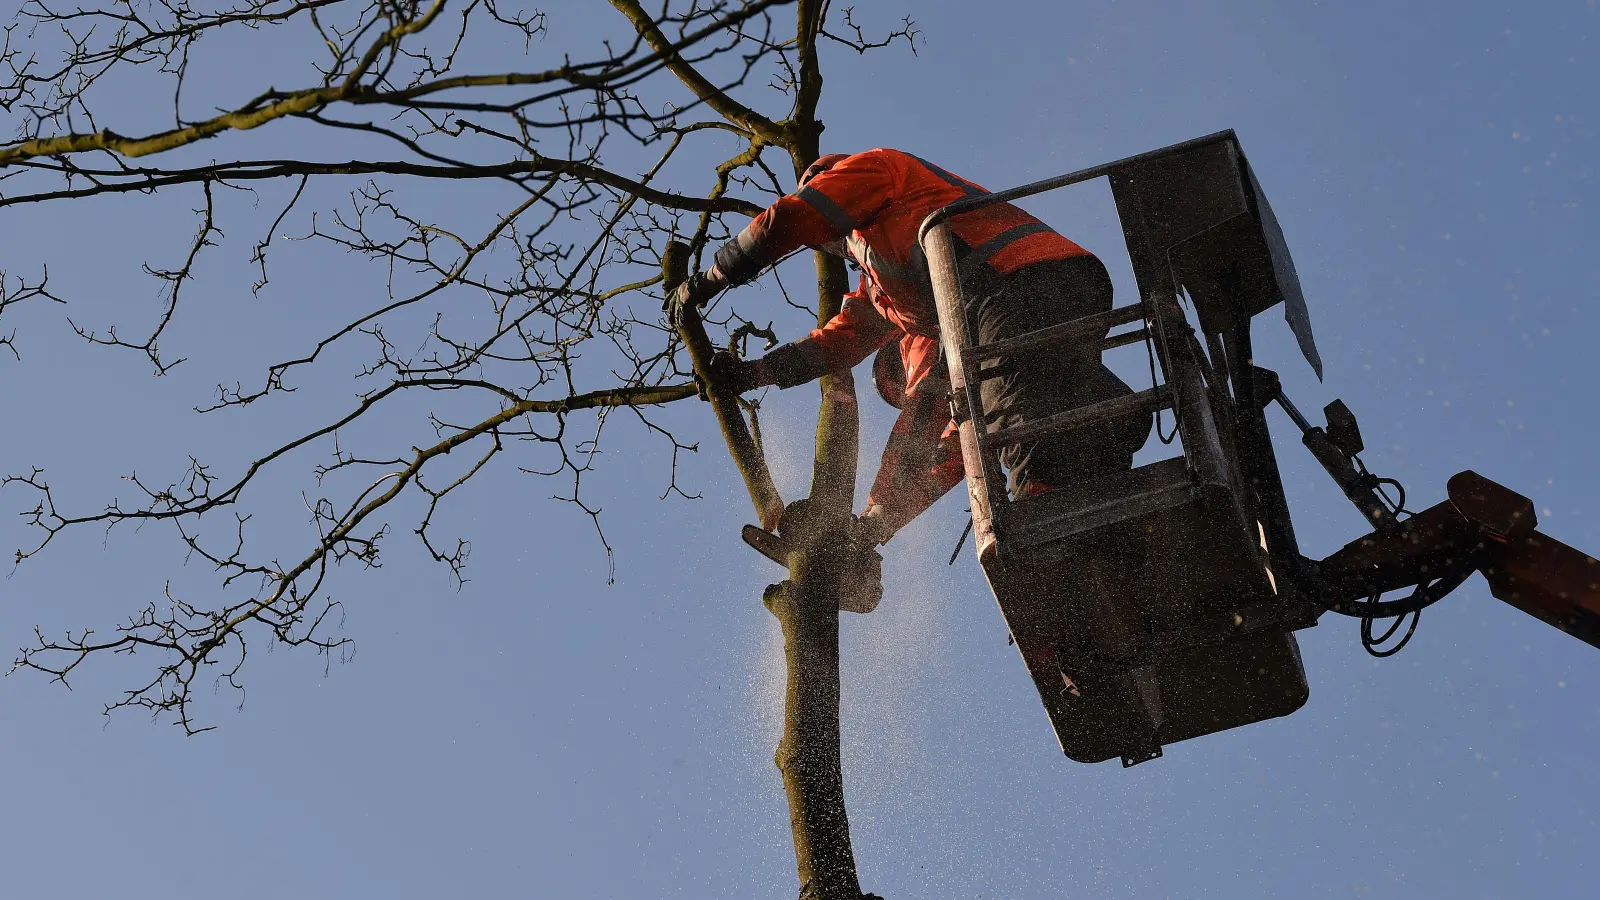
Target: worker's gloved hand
x,y
739,375
872,527
862,588
694,293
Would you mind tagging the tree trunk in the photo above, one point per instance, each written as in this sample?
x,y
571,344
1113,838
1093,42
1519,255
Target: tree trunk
x,y
808,756
818,530
807,605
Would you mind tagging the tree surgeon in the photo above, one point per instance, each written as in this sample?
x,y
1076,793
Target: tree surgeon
x,y
1018,275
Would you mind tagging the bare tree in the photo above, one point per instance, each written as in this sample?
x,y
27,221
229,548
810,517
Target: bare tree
x,y
596,159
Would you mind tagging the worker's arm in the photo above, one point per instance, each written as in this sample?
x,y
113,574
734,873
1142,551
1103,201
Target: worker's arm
x,y
847,197
844,341
921,463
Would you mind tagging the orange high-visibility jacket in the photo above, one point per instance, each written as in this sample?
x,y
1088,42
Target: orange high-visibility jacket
x,y
875,201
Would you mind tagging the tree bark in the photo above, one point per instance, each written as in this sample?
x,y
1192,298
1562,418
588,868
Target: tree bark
x,y
808,756
807,605
735,432
817,528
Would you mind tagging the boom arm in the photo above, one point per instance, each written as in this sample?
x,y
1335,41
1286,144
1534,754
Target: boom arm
x,y
1483,527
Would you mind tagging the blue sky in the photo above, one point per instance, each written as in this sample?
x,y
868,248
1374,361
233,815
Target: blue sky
x,y
540,733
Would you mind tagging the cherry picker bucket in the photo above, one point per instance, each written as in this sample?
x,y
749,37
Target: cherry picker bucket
x,y
1135,598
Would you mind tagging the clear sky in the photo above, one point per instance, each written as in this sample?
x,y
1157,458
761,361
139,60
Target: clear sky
x,y
538,733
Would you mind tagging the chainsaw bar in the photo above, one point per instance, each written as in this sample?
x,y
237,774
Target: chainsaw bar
x,y
767,544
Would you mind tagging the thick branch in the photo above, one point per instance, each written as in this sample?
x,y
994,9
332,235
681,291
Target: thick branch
x,y
577,75
269,169
54,523
404,476
276,105
195,639
807,604
746,455
698,84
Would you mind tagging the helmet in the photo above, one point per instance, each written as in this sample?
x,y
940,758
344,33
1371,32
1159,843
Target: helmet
x,y
823,164
889,375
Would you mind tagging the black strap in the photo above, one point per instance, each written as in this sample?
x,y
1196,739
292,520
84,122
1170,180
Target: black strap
x,y
977,256
835,215
981,254
969,189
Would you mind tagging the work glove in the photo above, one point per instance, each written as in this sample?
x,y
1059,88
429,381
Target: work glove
x,y
694,293
872,527
739,375
861,589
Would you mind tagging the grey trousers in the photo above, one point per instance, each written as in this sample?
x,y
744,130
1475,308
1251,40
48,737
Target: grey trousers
x,y
1049,380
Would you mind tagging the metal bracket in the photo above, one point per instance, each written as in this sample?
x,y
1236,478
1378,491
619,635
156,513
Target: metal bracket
x,y
958,406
